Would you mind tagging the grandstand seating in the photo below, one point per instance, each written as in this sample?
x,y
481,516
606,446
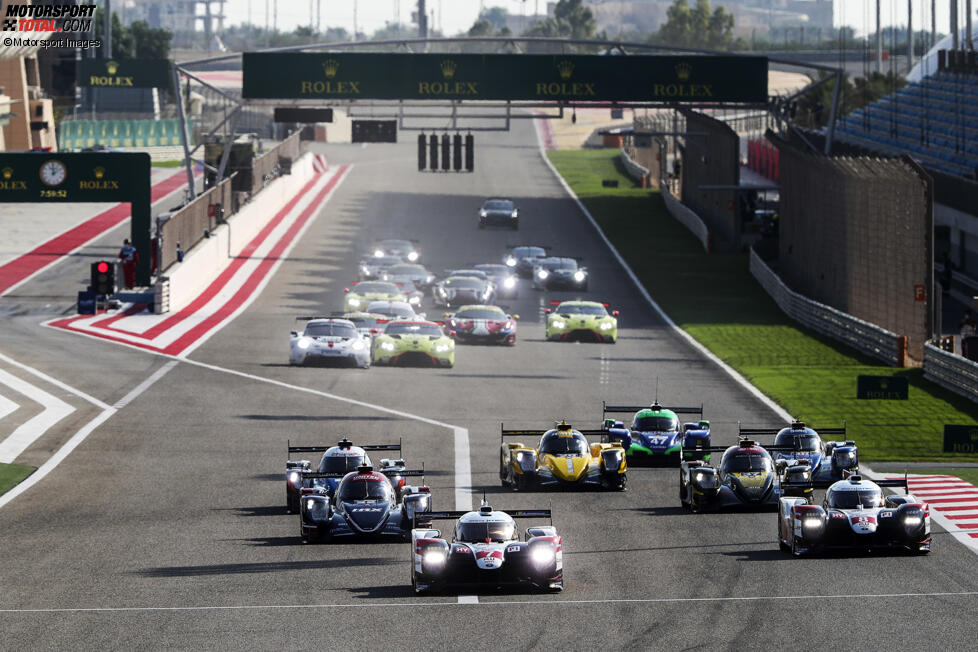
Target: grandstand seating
x,y
935,121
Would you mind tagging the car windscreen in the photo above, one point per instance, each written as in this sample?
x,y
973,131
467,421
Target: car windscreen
x,y
393,309
499,205
353,489
395,328
407,270
364,322
558,263
529,252
746,462
494,270
464,282
805,442
340,464
375,287
491,531
563,445
383,261
395,245
656,424
480,313
330,329
849,499
579,309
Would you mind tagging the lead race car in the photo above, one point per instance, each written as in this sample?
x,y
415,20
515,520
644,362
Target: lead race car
x,y
855,515
654,434
581,320
486,550
482,324
413,342
828,461
562,459
326,340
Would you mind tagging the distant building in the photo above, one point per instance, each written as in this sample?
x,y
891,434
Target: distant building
x,y
26,113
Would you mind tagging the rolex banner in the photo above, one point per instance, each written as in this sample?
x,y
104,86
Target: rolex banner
x,y
125,73
574,77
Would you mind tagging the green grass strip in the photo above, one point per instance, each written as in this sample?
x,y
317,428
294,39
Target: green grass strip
x,y
166,164
13,474
717,301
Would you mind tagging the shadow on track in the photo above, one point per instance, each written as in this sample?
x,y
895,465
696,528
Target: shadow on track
x,y
381,592
672,510
268,567
311,417
263,510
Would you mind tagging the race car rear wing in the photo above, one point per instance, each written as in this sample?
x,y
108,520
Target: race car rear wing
x,y
743,443
407,473
546,248
605,408
515,513
905,483
795,425
323,449
537,432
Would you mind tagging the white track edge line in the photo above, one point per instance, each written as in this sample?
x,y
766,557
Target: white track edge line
x,y
54,381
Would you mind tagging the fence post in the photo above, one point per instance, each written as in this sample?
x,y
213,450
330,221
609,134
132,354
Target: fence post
x,y
902,351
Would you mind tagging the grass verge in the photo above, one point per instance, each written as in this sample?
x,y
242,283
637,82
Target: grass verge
x,y
13,474
166,164
716,300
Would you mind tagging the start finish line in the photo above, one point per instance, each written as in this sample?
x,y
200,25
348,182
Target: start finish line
x,y
520,77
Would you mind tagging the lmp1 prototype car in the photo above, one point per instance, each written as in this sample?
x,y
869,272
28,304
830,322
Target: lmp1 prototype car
x,y
506,282
461,290
373,268
828,461
409,251
329,341
499,212
417,343
486,550
339,459
654,434
582,321
562,459
521,258
745,478
365,504
362,293
482,324
555,273
855,515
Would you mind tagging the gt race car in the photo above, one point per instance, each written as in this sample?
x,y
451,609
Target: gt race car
x,y
587,321
829,461
506,282
373,268
462,290
409,251
362,293
417,343
409,274
482,324
365,504
486,550
393,310
325,341
340,459
521,258
555,273
366,322
497,211
654,435
855,516
562,459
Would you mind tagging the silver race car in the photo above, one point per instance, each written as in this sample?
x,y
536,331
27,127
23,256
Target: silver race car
x,y
326,341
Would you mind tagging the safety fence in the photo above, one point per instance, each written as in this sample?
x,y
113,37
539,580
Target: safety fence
x,y
685,216
76,134
953,372
265,167
860,335
195,221
764,158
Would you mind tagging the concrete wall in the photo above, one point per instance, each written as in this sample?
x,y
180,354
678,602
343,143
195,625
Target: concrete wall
x,y
712,158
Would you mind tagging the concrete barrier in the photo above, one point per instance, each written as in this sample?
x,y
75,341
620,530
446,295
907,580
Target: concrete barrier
x,y
635,171
685,216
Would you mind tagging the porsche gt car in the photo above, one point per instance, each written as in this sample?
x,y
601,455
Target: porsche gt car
x,y
462,290
368,323
409,251
486,550
363,292
829,461
418,343
506,282
554,273
654,434
393,310
329,341
373,268
857,516
581,320
339,459
745,478
499,212
563,458
409,273
522,257
482,324
365,504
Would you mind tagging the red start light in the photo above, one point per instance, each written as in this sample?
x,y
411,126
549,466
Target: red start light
x,y
102,267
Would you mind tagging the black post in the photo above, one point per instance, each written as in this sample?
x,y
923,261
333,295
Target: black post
x,y
446,152
457,152
469,152
433,149
422,159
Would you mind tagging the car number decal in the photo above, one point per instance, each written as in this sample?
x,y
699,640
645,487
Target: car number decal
x,y
513,549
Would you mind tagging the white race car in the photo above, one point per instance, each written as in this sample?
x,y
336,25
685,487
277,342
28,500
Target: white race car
x,y
329,341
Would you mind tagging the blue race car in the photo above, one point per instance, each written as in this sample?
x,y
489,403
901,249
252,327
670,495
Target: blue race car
x,y
799,444
654,435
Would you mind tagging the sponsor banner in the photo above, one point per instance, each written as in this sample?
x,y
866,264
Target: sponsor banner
x,y
125,73
882,387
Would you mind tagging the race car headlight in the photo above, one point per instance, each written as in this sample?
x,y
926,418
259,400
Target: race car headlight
x,y
304,343
811,522
354,302
358,346
557,323
379,253
509,283
364,269
543,555
387,346
413,256
612,460
543,274
515,213
526,460
510,261
440,290
912,521
434,557
429,278
606,326
579,276
705,480
441,348
294,477
415,301
483,213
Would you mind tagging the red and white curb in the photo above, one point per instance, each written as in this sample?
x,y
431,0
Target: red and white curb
x,y
234,289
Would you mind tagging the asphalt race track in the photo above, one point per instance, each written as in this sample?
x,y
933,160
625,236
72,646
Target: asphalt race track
x,y
167,527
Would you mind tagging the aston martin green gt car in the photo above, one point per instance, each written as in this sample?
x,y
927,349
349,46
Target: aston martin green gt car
x,y
415,343
362,293
587,321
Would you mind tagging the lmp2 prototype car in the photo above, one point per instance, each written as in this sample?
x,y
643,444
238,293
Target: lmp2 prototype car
x,y
521,258
482,324
339,459
745,478
325,340
361,293
654,435
582,321
418,343
486,550
855,515
562,459
497,211
829,461
555,273
462,290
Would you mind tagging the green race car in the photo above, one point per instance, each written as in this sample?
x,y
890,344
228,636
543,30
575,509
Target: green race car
x,y
413,342
581,320
364,292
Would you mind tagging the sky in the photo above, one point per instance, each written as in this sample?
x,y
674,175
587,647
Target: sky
x,y
453,16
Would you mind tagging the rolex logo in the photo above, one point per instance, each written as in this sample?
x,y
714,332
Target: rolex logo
x,y
99,172
565,68
111,66
448,68
683,71
331,67
8,172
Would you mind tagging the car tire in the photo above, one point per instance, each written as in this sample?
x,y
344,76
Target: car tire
x,y
482,225
794,546
516,225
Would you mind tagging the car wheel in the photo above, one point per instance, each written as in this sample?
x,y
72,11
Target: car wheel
x,y
794,546
502,470
620,486
292,504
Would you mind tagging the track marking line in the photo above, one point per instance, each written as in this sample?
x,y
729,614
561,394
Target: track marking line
x,y
53,381
7,406
31,430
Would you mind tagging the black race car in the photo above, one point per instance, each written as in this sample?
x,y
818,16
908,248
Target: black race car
x,y
557,273
502,276
521,258
409,251
500,212
463,290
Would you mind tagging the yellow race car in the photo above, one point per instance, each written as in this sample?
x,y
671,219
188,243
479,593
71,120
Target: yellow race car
x,y
563,458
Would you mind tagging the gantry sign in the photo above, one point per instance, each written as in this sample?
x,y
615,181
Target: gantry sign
x,y
85,177
518,77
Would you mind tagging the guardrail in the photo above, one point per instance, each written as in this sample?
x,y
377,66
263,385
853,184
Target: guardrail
x,y
860,335
950,371
638,172
193,222
264,165
685,216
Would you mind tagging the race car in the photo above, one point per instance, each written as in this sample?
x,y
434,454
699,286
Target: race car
x,y
855,515
462,290
365,504
522,257
829,461
367,323
414,342
339,459
482,324
373,268
506,282
562,459
553,273
582,321
393,310
654,435
486,550
409,251
499,212
362,293
745,478
409,274
325,340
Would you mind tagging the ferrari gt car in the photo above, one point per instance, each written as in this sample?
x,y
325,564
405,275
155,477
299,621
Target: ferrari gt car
x,y
497,211
363,292
326,340
506,282
654,434
486,550
409,251
581,320
520,258
461,290
482,324
554,273
829,461
562,459
415,342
